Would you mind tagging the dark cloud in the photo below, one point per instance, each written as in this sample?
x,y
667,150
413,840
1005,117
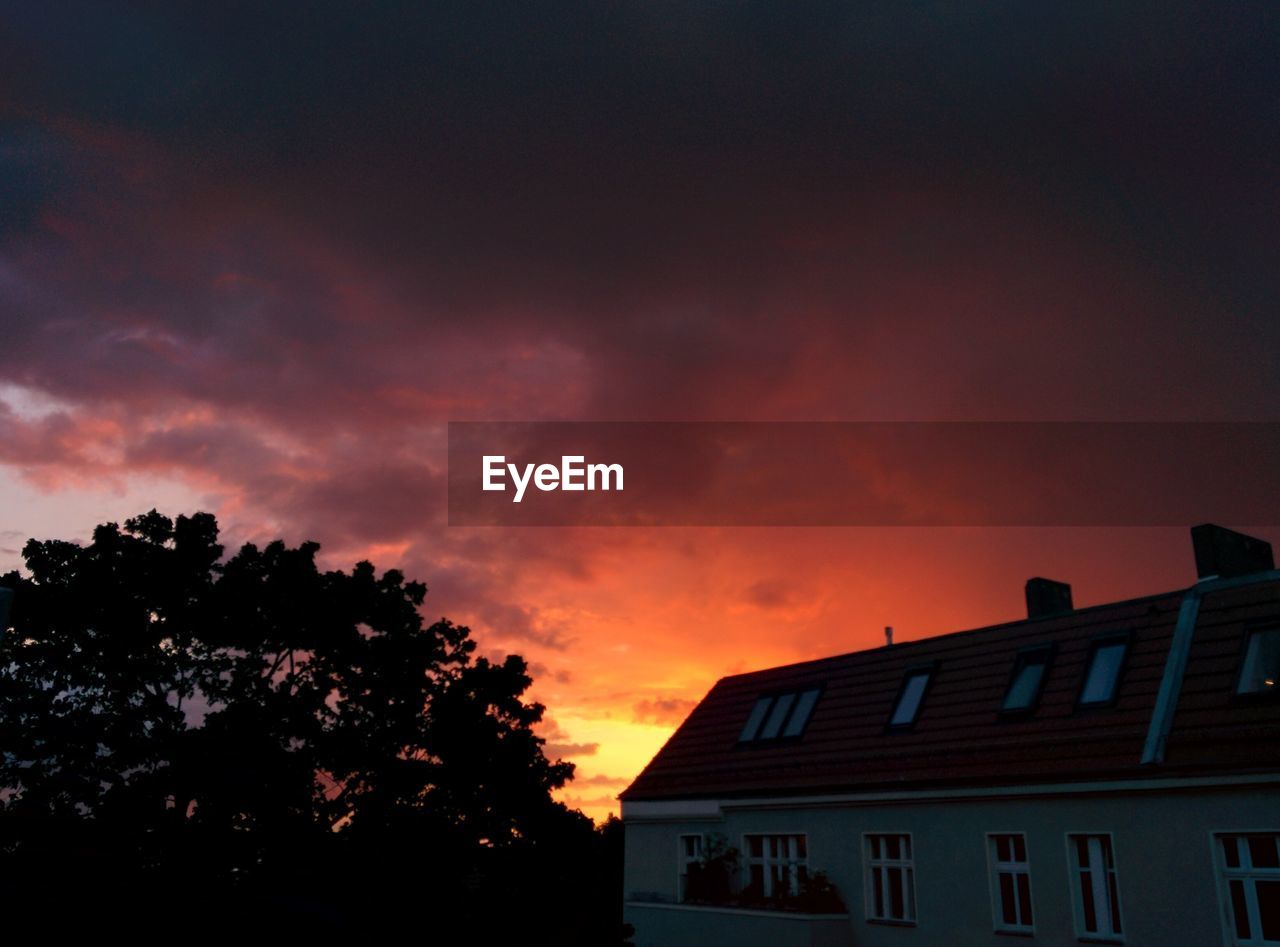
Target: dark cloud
x,y
551,730
540,671
667,711
601,780
590,802
57,438
769,593
312,213
561,751
478,592
559,745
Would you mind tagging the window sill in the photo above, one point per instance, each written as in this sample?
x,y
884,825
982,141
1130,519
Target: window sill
x,y
890,922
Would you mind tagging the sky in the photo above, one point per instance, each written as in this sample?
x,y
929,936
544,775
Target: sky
x,y
254,257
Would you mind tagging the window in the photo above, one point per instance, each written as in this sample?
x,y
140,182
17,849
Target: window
x,y
1010,883
1095,889
690,854
776,864
1249,876
800,715
1260,671
755,718
1029,672
779,716
890,879
1106,660
910,696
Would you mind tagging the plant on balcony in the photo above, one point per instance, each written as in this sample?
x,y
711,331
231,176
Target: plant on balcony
x,y
713,879
817,895
716,880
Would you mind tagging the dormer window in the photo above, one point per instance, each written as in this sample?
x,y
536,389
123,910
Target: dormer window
x,y
1260,670
779,716
1102,675
910,696
1029,672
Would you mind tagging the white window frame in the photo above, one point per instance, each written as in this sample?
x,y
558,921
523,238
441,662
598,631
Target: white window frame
x,y
995,868
1224,875
792,863
683,861
873,866
1109,936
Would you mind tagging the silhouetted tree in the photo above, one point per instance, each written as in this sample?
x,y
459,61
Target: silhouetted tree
x,y
274,744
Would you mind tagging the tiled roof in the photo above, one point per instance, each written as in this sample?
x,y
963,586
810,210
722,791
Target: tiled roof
x,y
960,737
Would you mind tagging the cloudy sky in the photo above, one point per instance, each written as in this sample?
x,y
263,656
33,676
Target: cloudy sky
x,y
253,257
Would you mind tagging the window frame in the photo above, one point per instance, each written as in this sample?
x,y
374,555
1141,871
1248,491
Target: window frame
x,y
1096,644
1077,902
1020,660
1223,875
1250,632
773,696
999,925
683,861
800,863
930,672
870,865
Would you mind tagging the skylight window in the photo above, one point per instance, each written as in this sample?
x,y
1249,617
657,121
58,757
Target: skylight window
x,y
755,718
800,716
779,716
1029,673
1260,671
910,697
773,723
1103,674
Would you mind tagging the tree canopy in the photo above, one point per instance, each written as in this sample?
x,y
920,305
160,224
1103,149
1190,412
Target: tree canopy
x,y
183,728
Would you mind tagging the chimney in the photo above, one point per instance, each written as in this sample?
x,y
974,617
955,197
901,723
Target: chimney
x,y
888,636
1222,553
1046,597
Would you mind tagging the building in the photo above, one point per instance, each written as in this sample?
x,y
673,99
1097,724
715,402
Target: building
x,y
1104,775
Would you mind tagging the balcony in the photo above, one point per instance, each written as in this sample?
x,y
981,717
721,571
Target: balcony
x,y
659,924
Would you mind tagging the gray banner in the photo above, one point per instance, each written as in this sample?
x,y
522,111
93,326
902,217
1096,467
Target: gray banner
x,y
863,473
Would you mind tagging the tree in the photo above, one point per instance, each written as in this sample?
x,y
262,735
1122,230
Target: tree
x,y
255,733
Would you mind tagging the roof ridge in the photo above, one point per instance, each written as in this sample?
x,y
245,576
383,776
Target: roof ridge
x,y
899,646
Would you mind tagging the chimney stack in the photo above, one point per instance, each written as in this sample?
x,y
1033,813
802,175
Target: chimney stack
x,y
1222,553
888,636
1046,597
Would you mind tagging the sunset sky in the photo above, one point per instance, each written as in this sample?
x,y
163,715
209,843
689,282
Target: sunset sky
x,y
253,257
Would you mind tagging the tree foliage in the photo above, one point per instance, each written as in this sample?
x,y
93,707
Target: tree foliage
x,y
253,731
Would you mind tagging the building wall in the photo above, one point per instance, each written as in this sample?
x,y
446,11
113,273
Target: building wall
x,y
1162,844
